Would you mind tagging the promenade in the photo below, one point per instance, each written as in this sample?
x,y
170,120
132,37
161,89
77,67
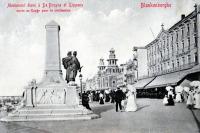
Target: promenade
x,y
151,117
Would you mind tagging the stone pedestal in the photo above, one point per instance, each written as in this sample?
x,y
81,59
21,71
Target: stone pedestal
x,y
52,98
29,102
72,98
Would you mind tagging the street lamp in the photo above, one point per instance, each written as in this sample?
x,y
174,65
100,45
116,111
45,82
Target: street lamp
x,y
80,77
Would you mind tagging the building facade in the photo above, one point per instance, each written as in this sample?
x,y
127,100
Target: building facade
x,y
174,49
107,75
140,62
173,57
131,73
121,77
91,84
112,75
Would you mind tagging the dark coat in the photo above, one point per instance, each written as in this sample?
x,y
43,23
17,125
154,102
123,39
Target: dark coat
x,y
85,99
119,95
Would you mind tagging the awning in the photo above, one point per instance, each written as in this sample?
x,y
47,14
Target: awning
x,y
167,79
140,84
185,83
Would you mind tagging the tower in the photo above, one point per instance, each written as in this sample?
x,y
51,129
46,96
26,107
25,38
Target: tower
x,y
101,65
112,62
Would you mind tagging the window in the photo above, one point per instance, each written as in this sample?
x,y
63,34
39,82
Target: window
x,y
183,45
177,48
164,66
195,58
189,59
183,60
195,39
188,29
173,64
182,33
195,26
178,63
188,43
172,47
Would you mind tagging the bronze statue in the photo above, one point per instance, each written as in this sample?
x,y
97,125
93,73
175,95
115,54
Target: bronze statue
x,y
72,65
67,63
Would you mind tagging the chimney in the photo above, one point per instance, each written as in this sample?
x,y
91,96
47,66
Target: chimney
x,y
182,16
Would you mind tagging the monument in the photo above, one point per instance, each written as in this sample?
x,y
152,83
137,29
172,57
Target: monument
x,y
52,98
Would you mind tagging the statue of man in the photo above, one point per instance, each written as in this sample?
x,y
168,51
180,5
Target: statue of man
x,y
75,66
67,63
72,65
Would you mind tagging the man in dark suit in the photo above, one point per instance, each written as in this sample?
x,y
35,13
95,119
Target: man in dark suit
x,y
119,95
85,100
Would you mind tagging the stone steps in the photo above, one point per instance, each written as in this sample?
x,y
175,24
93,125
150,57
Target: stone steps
x,y
46,111
45,114
50,117
50,113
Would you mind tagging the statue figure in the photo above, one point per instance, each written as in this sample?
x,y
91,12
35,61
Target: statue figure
x,y
67,63
72,65
76,65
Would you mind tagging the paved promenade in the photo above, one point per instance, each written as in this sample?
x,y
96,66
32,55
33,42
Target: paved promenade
x,y
151,117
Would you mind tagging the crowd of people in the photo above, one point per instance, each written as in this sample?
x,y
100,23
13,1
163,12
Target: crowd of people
x,y
190,95
124,99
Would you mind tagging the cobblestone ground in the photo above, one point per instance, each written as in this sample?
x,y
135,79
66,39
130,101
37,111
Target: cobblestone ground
x,y
151,117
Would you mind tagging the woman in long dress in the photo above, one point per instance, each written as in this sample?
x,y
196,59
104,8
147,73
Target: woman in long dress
x,y
131,102
178,97
190,99
170,101
165,100
197,99
101,98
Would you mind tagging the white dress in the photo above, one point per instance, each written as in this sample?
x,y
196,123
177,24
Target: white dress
x,y
190,99
197,100
165,100
178,97
170,93
131,103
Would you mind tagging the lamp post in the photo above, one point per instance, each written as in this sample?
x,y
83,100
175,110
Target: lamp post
x,y
80,77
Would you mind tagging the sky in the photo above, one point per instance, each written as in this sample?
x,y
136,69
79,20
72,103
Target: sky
x,y
91,31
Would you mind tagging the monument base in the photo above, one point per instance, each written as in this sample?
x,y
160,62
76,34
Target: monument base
x,y
50,113
53,102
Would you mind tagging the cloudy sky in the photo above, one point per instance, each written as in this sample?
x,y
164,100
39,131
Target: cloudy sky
x,y
92,31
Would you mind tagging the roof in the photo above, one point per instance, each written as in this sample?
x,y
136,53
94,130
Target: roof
x,y
192,14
